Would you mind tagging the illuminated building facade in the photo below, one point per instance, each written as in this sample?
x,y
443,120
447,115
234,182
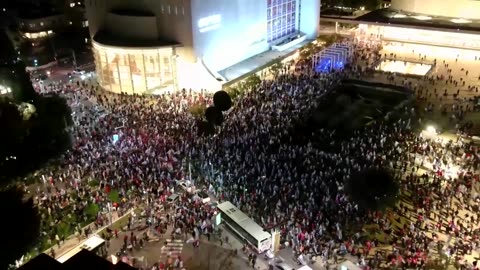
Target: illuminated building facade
x,y
188,42
467,9
134,70
446,23
281,18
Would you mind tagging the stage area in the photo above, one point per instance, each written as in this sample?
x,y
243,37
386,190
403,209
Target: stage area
x,y
402,67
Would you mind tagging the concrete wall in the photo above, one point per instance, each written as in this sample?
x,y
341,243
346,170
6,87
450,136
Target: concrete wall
x,y
96,11
139,27
467,9
309,18
226,32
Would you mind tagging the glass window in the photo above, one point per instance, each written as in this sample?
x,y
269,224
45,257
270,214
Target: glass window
x,y
280,18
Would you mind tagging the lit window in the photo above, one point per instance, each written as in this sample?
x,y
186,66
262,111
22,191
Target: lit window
x,y
32,25
78,3
70,23
85,24
176,10
183,11
72,4
168,9
41,23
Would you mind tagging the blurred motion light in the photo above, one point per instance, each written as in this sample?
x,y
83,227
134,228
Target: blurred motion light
x,y
399,16
422,18
460,21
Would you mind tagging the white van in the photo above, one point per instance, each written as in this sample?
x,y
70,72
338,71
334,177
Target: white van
x,y
203,196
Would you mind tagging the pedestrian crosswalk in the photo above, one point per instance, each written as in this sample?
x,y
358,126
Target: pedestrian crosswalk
x,y
172,249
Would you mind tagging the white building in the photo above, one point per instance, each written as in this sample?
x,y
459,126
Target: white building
x,y
149,45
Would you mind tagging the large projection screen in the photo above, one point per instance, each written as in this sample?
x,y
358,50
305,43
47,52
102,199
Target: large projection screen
x,y
228,31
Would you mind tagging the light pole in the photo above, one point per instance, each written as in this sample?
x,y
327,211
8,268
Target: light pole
x,y
74,59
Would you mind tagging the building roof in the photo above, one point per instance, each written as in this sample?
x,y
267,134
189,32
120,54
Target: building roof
x,y
83,260
87,260
105,38
42,261
400,18
423,20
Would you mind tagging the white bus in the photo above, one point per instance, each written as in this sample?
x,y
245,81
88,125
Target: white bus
x,y
95,244
245,227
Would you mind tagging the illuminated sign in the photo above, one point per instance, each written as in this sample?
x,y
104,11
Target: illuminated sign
x,y
209,23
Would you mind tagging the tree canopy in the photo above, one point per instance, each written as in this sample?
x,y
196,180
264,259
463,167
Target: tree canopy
x,y
32,136
21,224
373,189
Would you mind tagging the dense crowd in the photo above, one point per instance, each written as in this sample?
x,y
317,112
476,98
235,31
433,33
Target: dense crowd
x,y
258,162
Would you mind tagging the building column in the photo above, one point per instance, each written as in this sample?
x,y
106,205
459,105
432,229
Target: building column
x,y
108,72
173,65
144,72
130,72
160,66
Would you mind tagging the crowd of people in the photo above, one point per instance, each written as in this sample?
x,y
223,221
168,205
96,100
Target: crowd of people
x,y
257,161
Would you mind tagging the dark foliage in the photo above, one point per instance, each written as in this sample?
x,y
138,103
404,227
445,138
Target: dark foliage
x,y
26,144
214,115
22,88
21,229
222,101
373,189
205,128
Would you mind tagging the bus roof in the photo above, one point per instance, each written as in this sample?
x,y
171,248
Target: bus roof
x,y
243,220
93,242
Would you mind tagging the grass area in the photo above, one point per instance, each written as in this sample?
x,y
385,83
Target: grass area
x,y
122,222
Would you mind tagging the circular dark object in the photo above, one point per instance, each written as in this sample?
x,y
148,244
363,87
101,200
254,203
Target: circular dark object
x,y
205,128
222,100
214,115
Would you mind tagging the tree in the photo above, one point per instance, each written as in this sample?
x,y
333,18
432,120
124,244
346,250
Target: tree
x,y
21,85
373,189
254,80
13,131
21,225
28,142
13,72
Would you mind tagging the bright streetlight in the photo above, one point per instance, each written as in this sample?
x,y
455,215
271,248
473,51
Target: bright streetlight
x,y
431,129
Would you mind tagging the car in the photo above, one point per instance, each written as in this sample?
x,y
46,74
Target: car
x,y
203,196
78,71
